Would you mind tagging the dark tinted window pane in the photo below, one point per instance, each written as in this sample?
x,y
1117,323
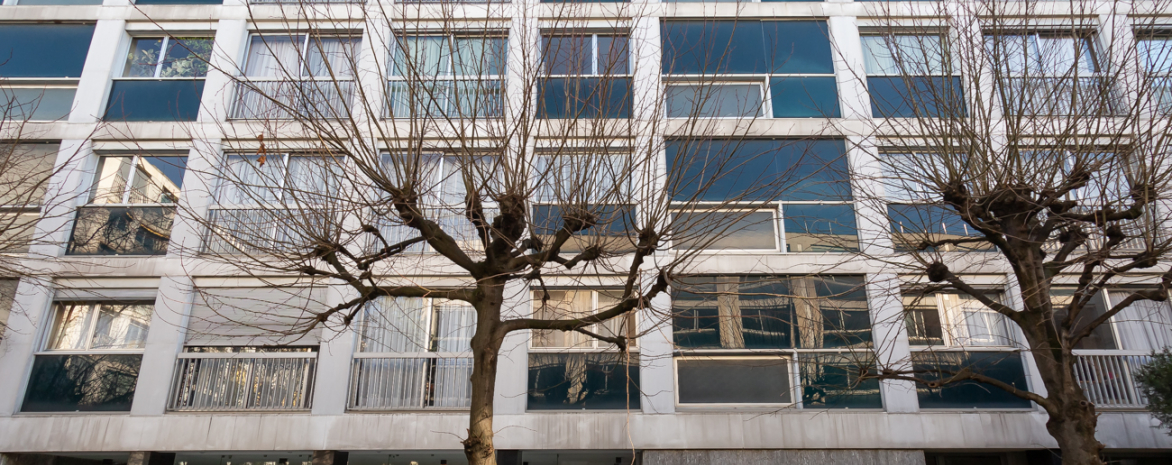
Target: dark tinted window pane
x,y
733,312
1002,366
68,383
908,97
38,103
121,231
716,230
613,55
570,55
833,312
778,169
804,97
734,381
611,230
820,228
44,50
798,47
832,381
713,100
583,381
708,47
571,98
162,100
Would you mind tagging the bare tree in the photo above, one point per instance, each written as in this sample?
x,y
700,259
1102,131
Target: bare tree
x,y
1004,141
446,154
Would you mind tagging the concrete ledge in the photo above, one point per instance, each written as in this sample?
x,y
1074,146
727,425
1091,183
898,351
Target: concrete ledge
x,y
784,457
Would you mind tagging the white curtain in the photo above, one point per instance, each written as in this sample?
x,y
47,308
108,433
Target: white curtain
x,y
122,326
895,55
71,326
394,324
455,324
315,176
971,323
251,179
274,56
1062,55
1145,325
332,54
421,56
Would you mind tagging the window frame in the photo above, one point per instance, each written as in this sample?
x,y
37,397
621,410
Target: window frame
x,y
163,48
596,345
302,57
94,308
949,320
450,78
594,52
781,235
763,79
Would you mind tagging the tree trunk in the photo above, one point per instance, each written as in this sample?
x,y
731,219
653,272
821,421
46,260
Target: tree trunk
x,y
1074,430
486,346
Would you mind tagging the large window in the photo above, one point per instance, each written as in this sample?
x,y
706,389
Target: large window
x,y
131,206
454,76
954,319
580,186
25,170
444,180
804,184
413,353
911,75
569,370
297,75
270,201
761,328
162,80
1050,73
1006,367
587,75
1144,326
748,68
91,358
41,65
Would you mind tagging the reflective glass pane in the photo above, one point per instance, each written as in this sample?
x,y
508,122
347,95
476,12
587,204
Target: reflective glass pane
x,y
1102,337
82,383
612,229
714,47
24,172
562,305
716,230
70,327
573,98
831,381
595,381
17,230
394,324
713,100
59,2
178,2
804,97
831,311
187,57
154,100
122,326
916,97
613,56
906,55
37,103
1003,366
143,58
121,231
110,180
762,380
922,318
158,179
820,228
733,312
455,323
44,50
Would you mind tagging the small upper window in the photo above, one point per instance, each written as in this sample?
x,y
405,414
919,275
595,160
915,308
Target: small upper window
x,y
100,326
301,56
586,55
954,319
168,57
1045,53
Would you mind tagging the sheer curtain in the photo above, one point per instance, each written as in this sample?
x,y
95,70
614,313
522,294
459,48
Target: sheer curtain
x,y
455,324
394,324
421,56
1143,325
274,56
332,54
895,55
971,323
251,179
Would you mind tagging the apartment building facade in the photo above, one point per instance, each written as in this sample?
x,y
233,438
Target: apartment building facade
x,y
123,358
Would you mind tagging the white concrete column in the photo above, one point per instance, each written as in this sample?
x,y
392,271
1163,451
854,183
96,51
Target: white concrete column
x,y
512,375
848,65
164,342
888,331
1014,300
1117,41
94,85
218,88
67,190
656,370
372,71
334,356
31,312
199,187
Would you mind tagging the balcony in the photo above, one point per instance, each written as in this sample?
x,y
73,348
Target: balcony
x,y
261,381
1108,378
1090,96
416,383
292,99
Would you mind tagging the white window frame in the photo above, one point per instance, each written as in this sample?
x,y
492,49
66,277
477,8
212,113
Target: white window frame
x,y
780,234
167,40
302,58
92,312
449,78
949,321
596,346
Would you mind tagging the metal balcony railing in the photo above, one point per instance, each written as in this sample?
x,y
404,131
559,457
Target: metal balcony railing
x,y
292,99
250,381
412,383
1088,96
1108,378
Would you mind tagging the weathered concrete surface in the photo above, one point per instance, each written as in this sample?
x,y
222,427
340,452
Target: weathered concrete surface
x,y
784,457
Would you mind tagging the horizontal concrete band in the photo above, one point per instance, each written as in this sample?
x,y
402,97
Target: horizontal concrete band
x,y
562,430
784,457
